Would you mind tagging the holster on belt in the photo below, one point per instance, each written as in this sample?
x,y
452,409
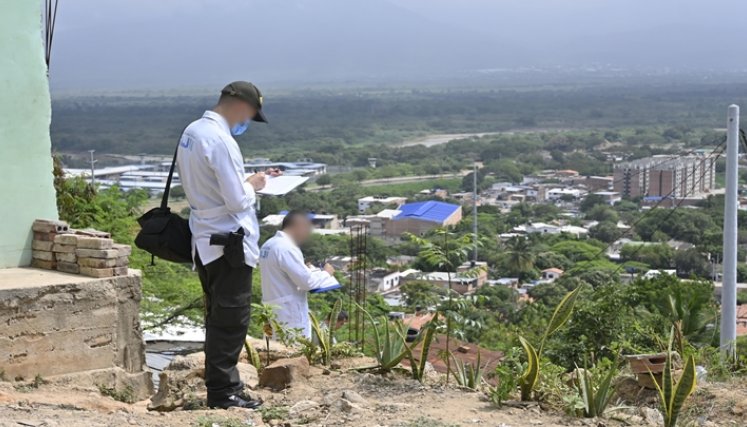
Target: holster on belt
x,y
233,246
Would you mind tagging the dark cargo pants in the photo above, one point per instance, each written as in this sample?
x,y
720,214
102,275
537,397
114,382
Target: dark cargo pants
x,y
228,293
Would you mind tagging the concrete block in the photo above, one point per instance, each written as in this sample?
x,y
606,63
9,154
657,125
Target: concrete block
x,y
66,257
64,327
86,242
96,272
47,265
44,237
41,245
68,267
43,255
97,262
66,239
50,226
121,271
96,253
122,250
92,233
122,261
63,248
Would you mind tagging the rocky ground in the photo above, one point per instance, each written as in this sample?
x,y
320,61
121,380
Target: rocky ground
x,y
340,396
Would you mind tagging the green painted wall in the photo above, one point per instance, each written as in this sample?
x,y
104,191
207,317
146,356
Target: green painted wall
x,y
26,183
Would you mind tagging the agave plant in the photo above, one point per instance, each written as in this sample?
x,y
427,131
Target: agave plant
x,y
390,345
560,316
596,393
427,332
253,355
466,374
325,337
672,396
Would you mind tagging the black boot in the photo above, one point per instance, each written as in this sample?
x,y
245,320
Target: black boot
x,y
240,400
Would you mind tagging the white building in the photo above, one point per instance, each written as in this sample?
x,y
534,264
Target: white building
x,y
366,202
558,193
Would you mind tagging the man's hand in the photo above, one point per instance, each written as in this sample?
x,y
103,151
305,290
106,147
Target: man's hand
x,y
274,172
329,269
258,180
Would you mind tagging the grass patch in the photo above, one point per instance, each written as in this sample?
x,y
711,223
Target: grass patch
x,y
426,422
126,395
33,385
219,421
273,413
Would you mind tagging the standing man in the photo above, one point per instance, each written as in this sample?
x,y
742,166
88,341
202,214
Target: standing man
x,y
286,279
225,233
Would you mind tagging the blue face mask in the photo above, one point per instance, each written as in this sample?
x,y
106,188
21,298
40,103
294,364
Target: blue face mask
x,y
240,128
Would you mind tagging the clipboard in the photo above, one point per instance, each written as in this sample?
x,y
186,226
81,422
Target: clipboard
x,y
326,289
282,185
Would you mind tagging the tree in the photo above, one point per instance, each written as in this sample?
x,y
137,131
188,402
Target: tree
x,y
421,295
324,180
520,256
606,232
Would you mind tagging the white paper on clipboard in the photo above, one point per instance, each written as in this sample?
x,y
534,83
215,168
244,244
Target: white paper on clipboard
x,y
281,185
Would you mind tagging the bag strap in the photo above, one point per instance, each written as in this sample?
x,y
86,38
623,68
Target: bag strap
x,y
165,198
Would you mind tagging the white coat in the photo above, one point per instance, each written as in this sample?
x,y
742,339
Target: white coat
x,y
211,169
286,280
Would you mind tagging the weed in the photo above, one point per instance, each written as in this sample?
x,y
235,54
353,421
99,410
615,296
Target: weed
x,y
126,395
273,413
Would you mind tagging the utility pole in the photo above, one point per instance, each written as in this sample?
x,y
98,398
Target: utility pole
x,y
93,168
474,212
729,281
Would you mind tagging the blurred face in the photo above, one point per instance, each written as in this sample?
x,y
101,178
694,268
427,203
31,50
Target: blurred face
x,y
301,230
240,112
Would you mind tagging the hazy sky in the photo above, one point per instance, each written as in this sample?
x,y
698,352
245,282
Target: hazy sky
x,y
142,44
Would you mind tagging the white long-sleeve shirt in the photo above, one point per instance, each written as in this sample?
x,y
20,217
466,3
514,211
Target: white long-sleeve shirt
x,y
286,280
211,169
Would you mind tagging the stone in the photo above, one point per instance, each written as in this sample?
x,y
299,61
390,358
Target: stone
x,y
194,362
354,397
92,233
68,257
66,239
96,253
97,262
122,250
248,374
121,271
50,226
283,373
58,247
86,242
97,272
43,255
122,261
47,265
68,267
651,416
41,245
301,407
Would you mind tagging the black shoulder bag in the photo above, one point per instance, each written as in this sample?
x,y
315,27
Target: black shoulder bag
x,y
163,233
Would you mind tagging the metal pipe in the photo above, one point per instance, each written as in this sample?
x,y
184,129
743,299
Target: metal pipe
x,y
729,286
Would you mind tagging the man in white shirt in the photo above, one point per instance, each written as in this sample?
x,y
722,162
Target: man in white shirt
x,y
286,278
222,199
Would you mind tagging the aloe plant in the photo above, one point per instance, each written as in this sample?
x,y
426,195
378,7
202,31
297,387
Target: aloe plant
x,y
253,355
466,374
560,316
672,396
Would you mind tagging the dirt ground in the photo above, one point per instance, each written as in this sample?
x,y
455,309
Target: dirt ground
x,y
351,398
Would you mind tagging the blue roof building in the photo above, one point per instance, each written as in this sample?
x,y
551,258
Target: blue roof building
x,y
420,217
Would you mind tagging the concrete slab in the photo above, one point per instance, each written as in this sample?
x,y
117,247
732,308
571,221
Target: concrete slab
x,y
55,324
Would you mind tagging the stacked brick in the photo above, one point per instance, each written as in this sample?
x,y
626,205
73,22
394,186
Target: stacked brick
x,y
89,252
